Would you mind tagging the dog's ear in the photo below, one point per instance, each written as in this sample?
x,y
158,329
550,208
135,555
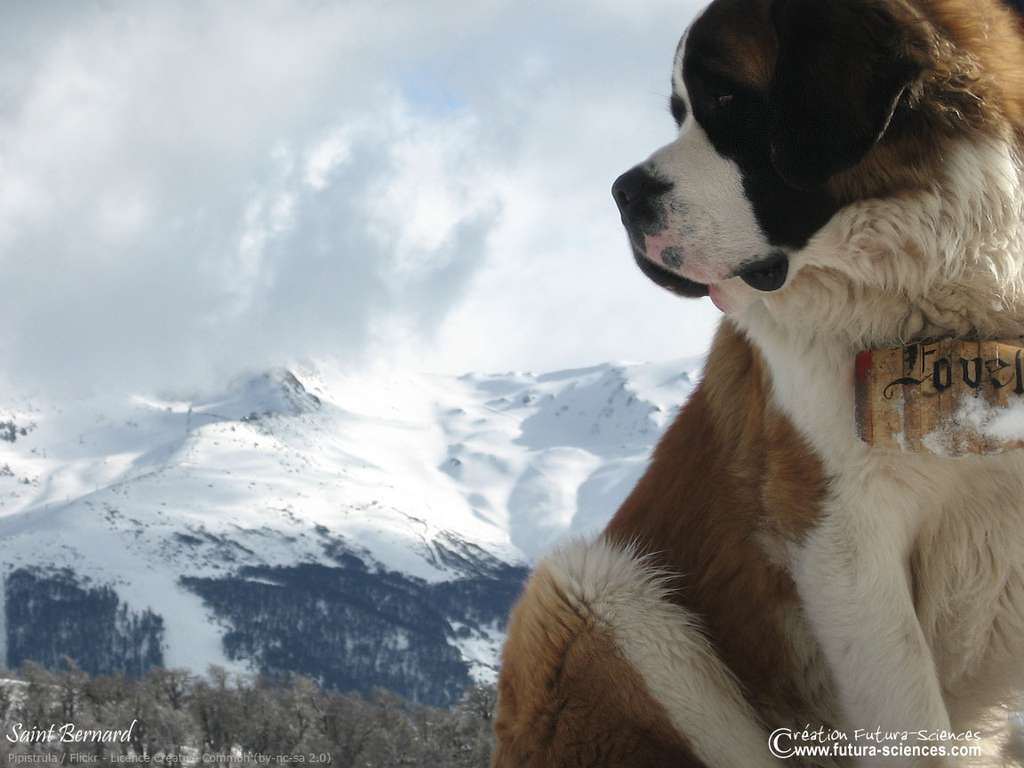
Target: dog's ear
x,y
843,67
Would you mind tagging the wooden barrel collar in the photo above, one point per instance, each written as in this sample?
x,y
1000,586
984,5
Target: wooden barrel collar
x,y
947,397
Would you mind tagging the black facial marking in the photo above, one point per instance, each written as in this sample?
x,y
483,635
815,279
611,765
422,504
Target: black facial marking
x,y
678,108
736,117
842,71
767,274
672,258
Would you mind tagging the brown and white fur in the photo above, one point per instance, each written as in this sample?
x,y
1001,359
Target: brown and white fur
x,y
848,174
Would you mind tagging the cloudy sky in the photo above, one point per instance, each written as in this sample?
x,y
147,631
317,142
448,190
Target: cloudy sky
x,y
188,189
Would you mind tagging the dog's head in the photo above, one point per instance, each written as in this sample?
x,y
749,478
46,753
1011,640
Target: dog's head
x,y
796,116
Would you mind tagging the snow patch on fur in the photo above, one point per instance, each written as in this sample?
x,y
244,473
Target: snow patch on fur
x,y
1000,423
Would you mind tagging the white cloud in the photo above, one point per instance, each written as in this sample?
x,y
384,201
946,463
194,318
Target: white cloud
x,y
187,189
326,156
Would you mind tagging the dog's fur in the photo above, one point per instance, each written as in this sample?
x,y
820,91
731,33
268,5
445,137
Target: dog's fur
x,y
873,147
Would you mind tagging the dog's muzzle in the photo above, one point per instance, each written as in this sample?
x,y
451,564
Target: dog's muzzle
x,y
636,193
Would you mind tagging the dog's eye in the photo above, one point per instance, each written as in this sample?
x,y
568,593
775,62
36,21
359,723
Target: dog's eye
x,y
721,100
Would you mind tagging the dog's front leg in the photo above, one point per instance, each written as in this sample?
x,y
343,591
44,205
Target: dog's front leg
x,y
853,577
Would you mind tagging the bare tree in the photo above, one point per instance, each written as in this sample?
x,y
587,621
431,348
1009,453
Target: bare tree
x,y
171,685
174,710
71,682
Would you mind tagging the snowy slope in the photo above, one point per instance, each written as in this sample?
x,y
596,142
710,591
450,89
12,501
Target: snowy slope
x,y
429,488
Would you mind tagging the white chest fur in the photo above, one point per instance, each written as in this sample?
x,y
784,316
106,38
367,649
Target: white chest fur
x,y
913,581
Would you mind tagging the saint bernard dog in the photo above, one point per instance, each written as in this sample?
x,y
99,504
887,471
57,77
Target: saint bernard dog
x,y
848,175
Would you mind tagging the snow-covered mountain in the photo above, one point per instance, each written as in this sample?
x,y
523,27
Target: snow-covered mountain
x,y
366,531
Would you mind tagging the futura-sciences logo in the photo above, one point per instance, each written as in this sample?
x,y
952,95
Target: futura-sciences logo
x,y
821,742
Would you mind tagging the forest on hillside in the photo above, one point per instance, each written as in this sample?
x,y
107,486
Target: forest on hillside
x,y
172,717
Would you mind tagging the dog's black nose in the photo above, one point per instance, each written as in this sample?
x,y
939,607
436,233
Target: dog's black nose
x,y
634,190
630,187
